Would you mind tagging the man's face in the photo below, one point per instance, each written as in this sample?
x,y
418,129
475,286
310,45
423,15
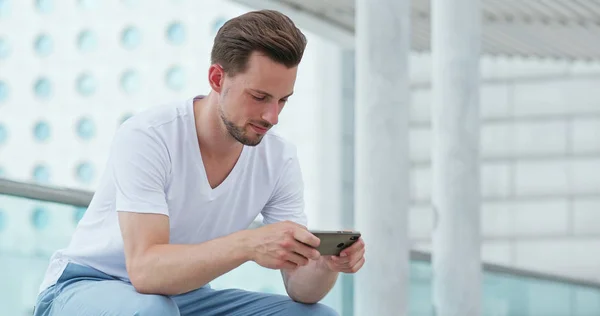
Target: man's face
x,y
250,102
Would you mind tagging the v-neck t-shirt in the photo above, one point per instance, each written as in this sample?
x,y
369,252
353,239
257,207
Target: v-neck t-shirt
x,y
155,166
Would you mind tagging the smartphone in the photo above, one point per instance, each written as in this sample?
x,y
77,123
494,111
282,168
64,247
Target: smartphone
x,y
333,242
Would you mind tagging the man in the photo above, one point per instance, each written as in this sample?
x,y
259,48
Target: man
x,y
182,185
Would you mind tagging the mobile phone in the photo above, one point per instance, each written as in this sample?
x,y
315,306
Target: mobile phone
x,y
333,242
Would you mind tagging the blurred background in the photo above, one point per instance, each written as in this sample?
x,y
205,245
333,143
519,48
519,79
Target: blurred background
x,y
71,71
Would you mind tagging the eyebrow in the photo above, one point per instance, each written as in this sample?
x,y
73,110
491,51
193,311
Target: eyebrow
x,y
269,95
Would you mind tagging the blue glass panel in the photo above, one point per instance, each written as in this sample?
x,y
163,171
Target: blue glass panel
x,y
130,81
3,219
43,45
41,174
43,88
3,134
175,78
86,84
78,214
87,41
131,37
40,218
176,33
4,48
85,172
86,128
44,5
41,131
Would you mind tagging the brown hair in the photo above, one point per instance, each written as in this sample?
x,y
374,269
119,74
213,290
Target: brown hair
x,y
266,31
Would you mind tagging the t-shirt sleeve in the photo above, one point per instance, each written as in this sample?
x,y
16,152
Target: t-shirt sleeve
x,y
139,166
287,201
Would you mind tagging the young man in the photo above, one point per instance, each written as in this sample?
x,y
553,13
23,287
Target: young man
x,y
182,185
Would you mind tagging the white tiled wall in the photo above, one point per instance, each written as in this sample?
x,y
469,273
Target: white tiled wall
x,y
540,172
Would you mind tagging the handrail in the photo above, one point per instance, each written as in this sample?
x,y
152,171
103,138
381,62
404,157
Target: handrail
x,y
82,198
45,193
417,255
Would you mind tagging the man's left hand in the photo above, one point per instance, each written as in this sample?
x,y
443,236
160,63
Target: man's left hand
x,y
350,259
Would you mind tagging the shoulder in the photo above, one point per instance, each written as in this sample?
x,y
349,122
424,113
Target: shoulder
x,y
152,129
278,148
159,115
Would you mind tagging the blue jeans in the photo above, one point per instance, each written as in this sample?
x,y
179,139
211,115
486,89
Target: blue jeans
x,y
85,291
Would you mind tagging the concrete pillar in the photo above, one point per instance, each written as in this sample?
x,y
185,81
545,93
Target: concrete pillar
x,y
381,155
455,157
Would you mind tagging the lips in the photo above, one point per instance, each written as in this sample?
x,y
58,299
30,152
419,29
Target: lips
x,y
258,129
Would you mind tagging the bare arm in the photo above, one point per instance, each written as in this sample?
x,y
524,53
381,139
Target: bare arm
x,y
310,283
157,267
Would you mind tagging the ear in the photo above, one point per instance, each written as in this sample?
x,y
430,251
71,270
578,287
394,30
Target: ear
x,y
216,74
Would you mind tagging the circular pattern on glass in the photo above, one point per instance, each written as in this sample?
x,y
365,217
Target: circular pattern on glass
x,y
125,117
44,5
3,134
78,214
40,218
131,37
43,45
3,91
4,48
130,3
175,78
219,22
2,219
42,88
86,128
87,4
41,131
41,174
176,33
86,85
4,7
86,41
130,81
85,172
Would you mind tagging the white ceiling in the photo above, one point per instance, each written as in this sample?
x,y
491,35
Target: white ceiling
x,y
566,29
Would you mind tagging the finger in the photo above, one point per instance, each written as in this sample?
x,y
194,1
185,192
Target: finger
x,y
355,247
289,266
356,267
356,257
296,259
306,251
351,258
304,236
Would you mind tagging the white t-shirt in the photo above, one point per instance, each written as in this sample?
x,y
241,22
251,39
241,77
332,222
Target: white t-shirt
x,y
155,166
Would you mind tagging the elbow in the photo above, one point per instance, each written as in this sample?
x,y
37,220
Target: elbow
x,y
143,282
304,299
138,278
141,279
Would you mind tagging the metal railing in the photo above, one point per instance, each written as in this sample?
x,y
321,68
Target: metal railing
x,y
82,198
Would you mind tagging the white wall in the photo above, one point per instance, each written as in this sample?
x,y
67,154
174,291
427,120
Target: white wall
x,y
25,246
540,148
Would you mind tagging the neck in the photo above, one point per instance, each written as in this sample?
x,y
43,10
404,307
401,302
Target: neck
x,y
213,137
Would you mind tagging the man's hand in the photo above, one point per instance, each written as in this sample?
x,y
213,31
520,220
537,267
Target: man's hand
x,y
283,245
350,259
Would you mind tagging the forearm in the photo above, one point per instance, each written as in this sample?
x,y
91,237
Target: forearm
x,y
170,269
309,284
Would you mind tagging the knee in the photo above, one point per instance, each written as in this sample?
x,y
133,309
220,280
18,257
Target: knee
x,y
156,305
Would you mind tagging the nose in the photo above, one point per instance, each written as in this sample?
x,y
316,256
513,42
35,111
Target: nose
x,y
271,113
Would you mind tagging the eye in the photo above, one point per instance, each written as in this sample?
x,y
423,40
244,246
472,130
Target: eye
x,y
258,98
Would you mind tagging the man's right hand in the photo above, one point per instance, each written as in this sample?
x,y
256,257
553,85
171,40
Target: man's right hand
x,y
283,245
